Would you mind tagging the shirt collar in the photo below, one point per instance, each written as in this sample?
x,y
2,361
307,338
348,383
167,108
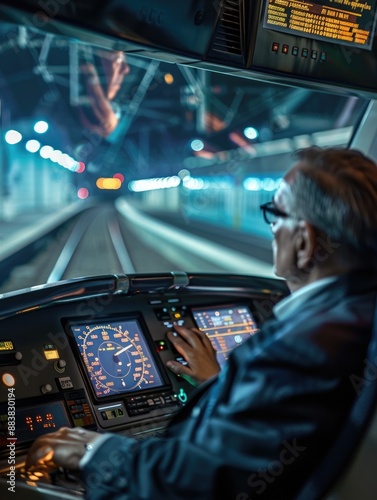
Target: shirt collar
x,y
293,302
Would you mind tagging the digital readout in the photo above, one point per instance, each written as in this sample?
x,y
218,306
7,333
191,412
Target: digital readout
x,y
6,345
34,421
341,21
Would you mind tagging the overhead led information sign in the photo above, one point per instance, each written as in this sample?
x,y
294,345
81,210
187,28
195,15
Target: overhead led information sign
x,y
340,21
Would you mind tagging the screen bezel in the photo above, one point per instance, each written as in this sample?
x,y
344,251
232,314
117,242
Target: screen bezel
x,y
71,322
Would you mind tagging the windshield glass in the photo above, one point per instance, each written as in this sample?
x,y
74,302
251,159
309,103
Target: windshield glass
x,y
116,164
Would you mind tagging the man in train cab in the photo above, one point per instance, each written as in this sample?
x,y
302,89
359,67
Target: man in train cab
x,y
258,427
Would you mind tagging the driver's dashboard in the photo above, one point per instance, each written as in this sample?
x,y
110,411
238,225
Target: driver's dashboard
x,y
91,353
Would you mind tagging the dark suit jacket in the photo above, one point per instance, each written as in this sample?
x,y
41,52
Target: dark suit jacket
x,y
261,426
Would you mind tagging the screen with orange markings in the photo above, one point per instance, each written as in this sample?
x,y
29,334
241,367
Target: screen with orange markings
x,y
226,326
340,21
34,421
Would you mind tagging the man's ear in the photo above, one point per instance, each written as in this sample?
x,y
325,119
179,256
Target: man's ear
x,y
305,244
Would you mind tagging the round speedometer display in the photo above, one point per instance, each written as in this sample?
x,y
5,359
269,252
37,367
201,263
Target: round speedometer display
x,y
116,357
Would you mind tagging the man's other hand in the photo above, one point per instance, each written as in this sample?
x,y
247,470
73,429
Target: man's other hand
x,y
63,448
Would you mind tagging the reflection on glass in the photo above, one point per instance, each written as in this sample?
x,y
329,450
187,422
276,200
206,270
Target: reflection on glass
x,y
188,157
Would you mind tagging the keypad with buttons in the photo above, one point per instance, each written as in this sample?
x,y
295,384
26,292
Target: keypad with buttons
x,y
138,405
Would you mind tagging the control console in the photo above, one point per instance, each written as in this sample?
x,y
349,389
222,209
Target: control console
x,y
92,353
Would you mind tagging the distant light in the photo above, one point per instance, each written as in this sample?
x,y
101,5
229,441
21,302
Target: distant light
x,y
81,167
152,184
67,162
197,145
82,193
183,173
13,137
252,184
108,183
32,146
194,183
205,154
119,176
257,184
251,132
169,79
41,127
56,156
46,152
269,184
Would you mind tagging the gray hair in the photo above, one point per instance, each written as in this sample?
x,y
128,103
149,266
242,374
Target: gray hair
x,y
336,191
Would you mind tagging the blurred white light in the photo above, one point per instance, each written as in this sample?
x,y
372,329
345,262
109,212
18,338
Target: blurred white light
x,y
56,156
41,127
13,137
151,184
193,183
70,163
32,146
252,184
251,133
197,145
46,152
174,181
269,184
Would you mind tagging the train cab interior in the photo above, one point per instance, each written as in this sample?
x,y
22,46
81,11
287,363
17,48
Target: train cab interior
x,y
137,143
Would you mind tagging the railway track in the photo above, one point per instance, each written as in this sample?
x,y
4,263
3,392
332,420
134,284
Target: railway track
x,y
108,239
89,244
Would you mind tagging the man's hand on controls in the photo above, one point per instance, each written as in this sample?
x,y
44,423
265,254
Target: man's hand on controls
x,y
197,350
63,448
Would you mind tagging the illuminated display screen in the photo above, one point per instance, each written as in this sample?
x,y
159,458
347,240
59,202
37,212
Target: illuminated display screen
x,y
36,421
6,345
116,357
227,327
340,21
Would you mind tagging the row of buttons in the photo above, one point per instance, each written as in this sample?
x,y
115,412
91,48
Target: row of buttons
x,y
158,301
143,404
80,410
295,51
172,315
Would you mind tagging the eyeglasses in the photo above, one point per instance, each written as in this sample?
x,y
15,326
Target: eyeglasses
x,y
271,212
